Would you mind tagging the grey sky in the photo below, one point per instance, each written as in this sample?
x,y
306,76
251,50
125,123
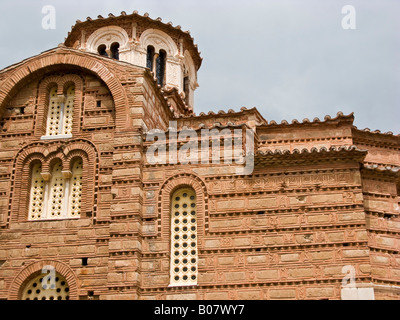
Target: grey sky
x,y
290,59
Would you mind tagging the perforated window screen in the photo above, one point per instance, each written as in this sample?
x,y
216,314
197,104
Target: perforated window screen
x,y
74,209
68,111
37,193
60,197
56,197
42,287
183,238
53,117
61,111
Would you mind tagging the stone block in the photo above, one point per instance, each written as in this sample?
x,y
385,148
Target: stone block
x,y
249,295
267,274
282,293
256,259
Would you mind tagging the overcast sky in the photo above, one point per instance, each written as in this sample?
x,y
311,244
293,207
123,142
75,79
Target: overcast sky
x,y
290,59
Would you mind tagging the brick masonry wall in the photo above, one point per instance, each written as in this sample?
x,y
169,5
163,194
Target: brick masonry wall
x,y
284,232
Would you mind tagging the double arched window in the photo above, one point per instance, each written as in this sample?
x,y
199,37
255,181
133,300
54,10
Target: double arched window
x,y
156,62
57,194
113,51
184,257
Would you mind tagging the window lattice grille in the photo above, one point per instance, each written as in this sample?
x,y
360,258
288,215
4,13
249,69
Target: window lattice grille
x,y
37,193
53,118
56,192
76,190
69,111
39,289
183,238
61,111
60,196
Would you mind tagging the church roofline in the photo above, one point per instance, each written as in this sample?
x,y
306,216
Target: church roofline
x,y
376,132
229,113
327,119
314,154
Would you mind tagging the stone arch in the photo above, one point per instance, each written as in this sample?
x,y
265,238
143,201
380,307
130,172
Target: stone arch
x,y
164,200
34,268
160,41
107,36
59,59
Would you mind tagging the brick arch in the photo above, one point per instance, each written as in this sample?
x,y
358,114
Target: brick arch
x,y
61,57
48,152
34,268
164,201
60,81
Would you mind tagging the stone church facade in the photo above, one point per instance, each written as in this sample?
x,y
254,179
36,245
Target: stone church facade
x,y
84,214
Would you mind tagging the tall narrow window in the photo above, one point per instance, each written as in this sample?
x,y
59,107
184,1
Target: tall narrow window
x,y
160,67
53,117
60,114
56,196
115,50
68,111
74,208
150,57
37,193
183,267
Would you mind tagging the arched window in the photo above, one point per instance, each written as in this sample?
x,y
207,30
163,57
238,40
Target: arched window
x,y
43,287
37,193
68,111
60,112
60,196
74,208
160,67
150,57
102,50
156,63
115,50
53,116
183,266
56,193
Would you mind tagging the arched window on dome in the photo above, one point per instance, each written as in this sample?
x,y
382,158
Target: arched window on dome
x,y
156,62
150,57
184,257
114,48
102,50
160,67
